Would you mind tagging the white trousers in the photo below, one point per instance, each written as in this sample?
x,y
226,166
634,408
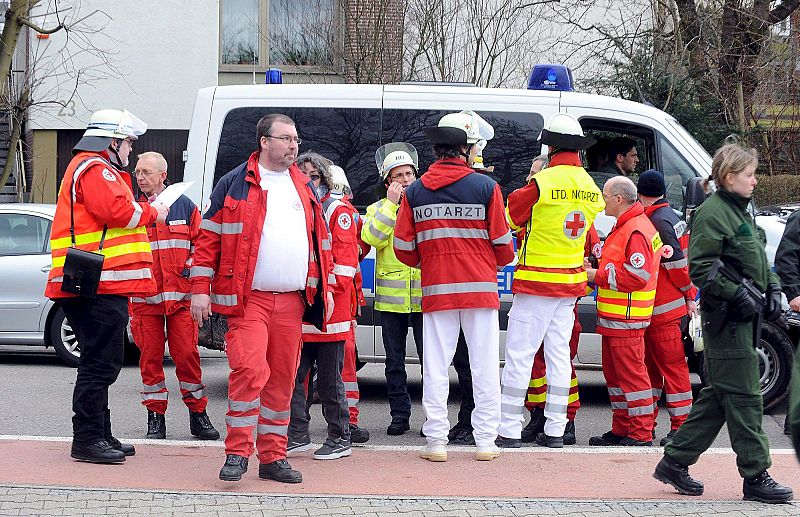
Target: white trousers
x,y
532,320
440,334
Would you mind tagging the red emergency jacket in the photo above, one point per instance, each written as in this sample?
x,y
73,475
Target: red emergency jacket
x,y
344,249
452,225
102,198
674,286
230,234
173,243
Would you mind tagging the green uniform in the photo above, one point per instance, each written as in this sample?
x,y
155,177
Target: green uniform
x,y
722,228
794,406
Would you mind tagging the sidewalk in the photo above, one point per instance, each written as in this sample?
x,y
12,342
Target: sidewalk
x,y
174,476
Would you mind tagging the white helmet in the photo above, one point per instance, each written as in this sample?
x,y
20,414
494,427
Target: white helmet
x,y
475,127
394,154
107,124
563,131
696,332
339,183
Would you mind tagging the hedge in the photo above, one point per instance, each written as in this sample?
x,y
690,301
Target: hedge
x,y
772,190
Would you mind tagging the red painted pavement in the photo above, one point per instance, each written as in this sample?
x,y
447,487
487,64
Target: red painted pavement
x,y
535,474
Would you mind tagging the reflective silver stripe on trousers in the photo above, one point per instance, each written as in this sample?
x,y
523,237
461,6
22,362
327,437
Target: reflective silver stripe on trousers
x,y
464,287
392,284
377,233
348,271
197,271
639,395
669,306
152,388
351,402
155,396
557,390
350,386
555,408
404,245
195,390
241,421
240,405
641,273
452,233
678,397
270,414
675,264
619,405
656,393
229,300
395,300
615,392
613,324
281,430
679,411
504,239
512,409
514,392
388,221
167,244
642,410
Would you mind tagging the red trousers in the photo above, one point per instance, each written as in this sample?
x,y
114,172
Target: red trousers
x,y
628,387
148,333
263,349
667,368
349,375
537,389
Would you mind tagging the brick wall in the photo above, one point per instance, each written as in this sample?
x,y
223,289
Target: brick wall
x,y
373,40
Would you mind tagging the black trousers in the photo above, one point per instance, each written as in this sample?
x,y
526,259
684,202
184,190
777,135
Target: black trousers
x,y
99,324
461,364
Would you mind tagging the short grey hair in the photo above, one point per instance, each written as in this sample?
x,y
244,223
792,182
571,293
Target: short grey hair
x,y
541,158
158,158
622,186
320,163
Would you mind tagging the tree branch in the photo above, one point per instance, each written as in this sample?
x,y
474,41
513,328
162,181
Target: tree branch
x,y
28,23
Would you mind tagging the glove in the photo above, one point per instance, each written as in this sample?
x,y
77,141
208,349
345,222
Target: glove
x,y
743,306
773,309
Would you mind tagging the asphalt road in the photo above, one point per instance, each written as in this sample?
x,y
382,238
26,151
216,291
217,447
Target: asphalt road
x,y
36,398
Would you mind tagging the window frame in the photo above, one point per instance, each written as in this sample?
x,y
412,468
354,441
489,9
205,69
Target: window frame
x,y
44,249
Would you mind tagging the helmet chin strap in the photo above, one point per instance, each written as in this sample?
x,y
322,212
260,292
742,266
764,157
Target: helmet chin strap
x,y
469,150
115,154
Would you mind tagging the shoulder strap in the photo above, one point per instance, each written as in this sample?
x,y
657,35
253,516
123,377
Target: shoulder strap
x,y
82,166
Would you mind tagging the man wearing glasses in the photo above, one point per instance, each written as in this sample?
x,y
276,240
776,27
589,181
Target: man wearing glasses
x,y
263,255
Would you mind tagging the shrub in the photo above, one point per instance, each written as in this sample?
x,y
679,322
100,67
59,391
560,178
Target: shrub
x,y
772,190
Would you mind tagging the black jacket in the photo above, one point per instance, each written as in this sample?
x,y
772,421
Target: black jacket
x,y
787,258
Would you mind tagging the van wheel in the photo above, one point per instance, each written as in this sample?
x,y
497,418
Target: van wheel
x,y
775,357
63,339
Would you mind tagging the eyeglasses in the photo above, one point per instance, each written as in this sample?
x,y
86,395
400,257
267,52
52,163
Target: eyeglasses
x,y
287,139
400,175
314,177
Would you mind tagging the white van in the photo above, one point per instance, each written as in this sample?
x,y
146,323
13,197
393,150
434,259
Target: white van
x,y
347,123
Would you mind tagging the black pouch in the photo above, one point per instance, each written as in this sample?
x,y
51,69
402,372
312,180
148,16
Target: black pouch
x,y
82,271
315,312
714,311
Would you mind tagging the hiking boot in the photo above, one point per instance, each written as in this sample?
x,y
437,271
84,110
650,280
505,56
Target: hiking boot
x,y
234,467
156,426
487,453
569,433
397,427
630,442
461,437
200,426
535,426
764,489
302,444
125,448
508,443
606,439
358,434
668,438
99,452
434,453
279,470
676,474
332,449
554,442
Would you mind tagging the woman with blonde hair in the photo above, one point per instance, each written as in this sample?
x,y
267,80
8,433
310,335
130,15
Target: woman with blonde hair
x,y
726,246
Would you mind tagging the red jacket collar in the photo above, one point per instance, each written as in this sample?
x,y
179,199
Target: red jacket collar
x,y
630,213
655,206
566,158
445,172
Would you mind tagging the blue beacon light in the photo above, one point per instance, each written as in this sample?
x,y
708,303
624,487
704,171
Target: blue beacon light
x,y
551,77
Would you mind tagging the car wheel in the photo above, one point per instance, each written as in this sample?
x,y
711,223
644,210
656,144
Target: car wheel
x,y
63,339
775,357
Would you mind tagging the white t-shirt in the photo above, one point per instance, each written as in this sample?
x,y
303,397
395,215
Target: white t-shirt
x,y
282,264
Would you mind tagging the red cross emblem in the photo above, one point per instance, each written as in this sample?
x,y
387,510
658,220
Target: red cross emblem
x,y
574,224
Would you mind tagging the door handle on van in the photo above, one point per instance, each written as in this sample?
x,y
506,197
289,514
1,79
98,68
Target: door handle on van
x,y
47,268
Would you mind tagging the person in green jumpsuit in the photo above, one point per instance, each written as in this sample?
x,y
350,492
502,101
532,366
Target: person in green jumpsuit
x,y
723,229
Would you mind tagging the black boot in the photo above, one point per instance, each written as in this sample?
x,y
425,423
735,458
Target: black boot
x,y
397,427
676,474
98,452
200,426
569,433
606,439
508,443
554,442
535,426
125,448
279,470
156,426
234,467
668,438
358,434
766,490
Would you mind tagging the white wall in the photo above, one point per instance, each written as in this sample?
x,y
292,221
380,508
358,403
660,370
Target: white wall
x,y
164,50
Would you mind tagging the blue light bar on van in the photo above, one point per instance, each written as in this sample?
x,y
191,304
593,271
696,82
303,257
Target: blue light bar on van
x,y
274,76
551,77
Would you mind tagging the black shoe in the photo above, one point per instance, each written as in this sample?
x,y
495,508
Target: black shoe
x,y
535,426
630,442
668,438
461,437
200,426
786,426
234,467
764,489
508,443
358,434
554,442
98,452
125,448
398,426
156,426
279,470
569,433
333,449
676,474
606,439
302,444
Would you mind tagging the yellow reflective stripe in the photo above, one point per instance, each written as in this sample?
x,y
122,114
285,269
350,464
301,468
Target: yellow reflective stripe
x,y
113,251
564,260
537,383
638,295
537,397
551,278
624,310
89,238
573,397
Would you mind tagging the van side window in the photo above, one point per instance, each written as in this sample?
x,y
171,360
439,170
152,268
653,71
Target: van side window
x,y
510,151
347,136
677,172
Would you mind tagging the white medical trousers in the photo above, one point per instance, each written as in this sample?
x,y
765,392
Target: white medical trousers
x,y
532,320
440,335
